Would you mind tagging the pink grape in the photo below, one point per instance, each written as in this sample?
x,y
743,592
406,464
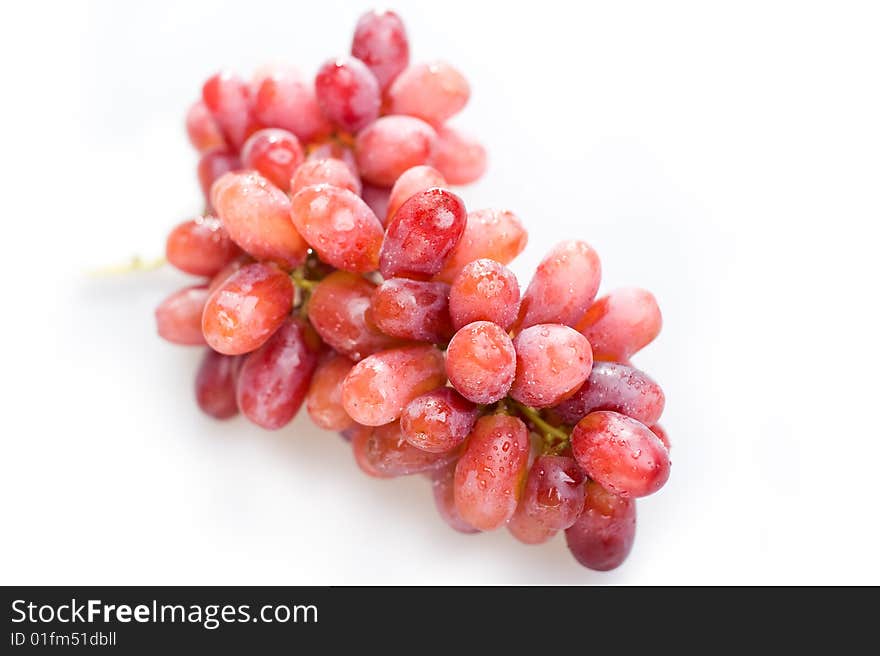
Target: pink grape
x,y
489,472
179,317
432,92
324,171
324,398
348,93
620,453
361,438
201,128
273,153
661,433
603,535
339,226
554,492
481,362
411,309
443,484
284,98
223,274
378,199
621,323
243,312
422,233
337,310
213,165
390,145
274,379
484,290
458,156
256,214
438,421
333,149
380,386
527,529
215,384
200,246
617,387
494,234
228,98
563,286
389,454
380,42
411,182
552,362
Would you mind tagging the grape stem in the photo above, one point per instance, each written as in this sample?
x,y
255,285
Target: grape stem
x,y
299,279
551,433
136,264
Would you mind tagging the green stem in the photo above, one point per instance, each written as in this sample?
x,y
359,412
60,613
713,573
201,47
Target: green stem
x,y
135,265
551,433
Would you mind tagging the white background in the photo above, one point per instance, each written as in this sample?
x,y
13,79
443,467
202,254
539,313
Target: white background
x,y
725,155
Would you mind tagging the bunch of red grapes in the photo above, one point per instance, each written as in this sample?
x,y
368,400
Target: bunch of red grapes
x,y
341,272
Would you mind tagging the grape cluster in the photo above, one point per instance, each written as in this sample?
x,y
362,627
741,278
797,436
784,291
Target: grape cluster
x,y
341,271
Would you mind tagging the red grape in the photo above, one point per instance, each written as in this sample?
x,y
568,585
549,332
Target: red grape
x,y
603,535
563,286
528,529
391,145
411,182
380,42
389,454
215,384
256,214
337,310
458,156
380,386
203,131
411,309
274,153
495,234
179,317
489,472
361,438
274,379
377,198
200,246
422,233
333,149
621,323
348,93
484,290
552,362
223,274
438,421
617,387
432,92
554,492
443,483
228,98
660,432
283,98
481,362
620,454
243,312
324,399
324,171
339,226
213,165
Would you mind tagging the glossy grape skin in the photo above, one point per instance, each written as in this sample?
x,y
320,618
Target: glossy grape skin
x,y
274,379
617,387
390,145
438,421
554,492
179,317
243,312
284,98
361,438
458,156
621,323
223,274
215,384
481,362
337,310
489,472
348,93
378,199
563,286
662,435
228,98
620,454
274,153
603,535
201,128
494,234
379,387
200,246
213,165
527,529
329,171
432,92
411,309
422,233
552,362
324,398
411,182
339,225
389,454
443,486
484,290
380,42
256,214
